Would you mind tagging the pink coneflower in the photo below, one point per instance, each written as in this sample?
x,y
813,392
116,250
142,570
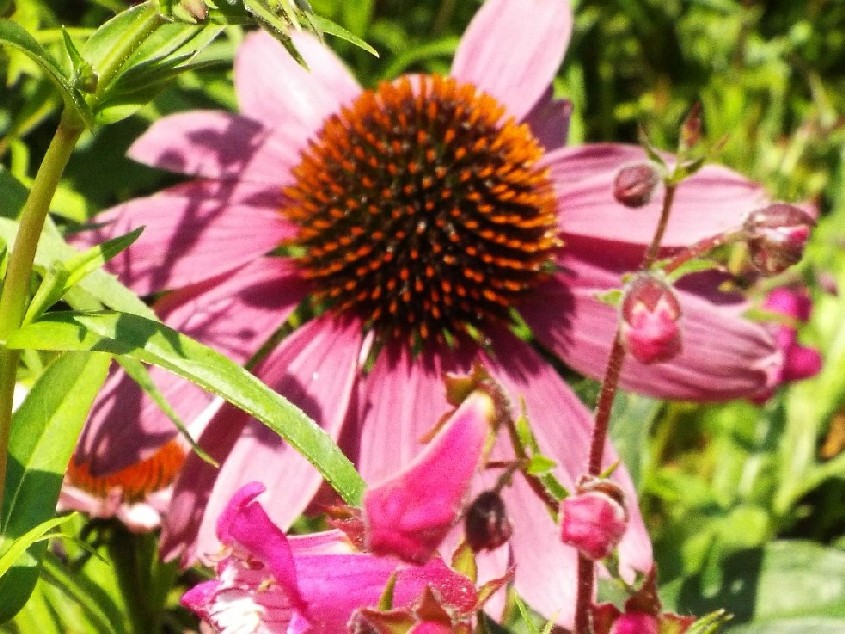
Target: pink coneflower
x,y
419,218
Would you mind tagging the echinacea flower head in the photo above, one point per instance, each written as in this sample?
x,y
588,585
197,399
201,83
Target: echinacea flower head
x,y
417,217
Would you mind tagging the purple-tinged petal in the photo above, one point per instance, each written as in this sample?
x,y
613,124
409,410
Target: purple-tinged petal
x,y
545,567
322,352
219,145
723,355
235,315
513,48
409,514
281,94
403,397
192,233
712,201
549,120
125,426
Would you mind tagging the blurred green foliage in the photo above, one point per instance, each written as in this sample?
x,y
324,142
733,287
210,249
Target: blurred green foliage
x,y
727,490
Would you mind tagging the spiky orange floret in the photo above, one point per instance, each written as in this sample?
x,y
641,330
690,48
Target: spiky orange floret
x,y
423,209
135,481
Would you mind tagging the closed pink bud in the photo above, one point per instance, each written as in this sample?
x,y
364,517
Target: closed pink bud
x,y
635,184
650,319
776,237
595,518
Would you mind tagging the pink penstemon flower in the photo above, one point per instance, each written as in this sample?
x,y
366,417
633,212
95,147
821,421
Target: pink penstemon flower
x,y
419,214
267,582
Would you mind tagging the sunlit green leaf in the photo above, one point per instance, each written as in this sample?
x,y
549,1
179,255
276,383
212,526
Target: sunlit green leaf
x,y
153,342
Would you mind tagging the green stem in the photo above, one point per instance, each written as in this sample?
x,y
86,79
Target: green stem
x,y
15,292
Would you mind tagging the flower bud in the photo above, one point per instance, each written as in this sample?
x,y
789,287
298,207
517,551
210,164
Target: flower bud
x,y
486,523
650,319
595,518
635,184
776,237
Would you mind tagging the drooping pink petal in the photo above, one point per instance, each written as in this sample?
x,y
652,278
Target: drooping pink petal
x,y
235,315
219,145
323,353
403,397
274,89
710,202
549,120
545,568
723,356
192,232
410,513
537,34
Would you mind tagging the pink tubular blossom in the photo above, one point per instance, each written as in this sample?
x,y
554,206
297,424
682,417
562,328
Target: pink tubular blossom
x,y
212,243
268,583
411,513
594,519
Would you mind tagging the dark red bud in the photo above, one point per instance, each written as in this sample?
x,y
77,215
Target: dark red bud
x,y
776,237
486,523
650,319
635,184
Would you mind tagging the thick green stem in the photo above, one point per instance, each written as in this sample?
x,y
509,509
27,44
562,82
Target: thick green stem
x,y
15,292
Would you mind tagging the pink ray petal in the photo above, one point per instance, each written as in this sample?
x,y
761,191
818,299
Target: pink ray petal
x,y
278,92
219,145
723,356
545,568
714,200
549,120
513,48
403,397
191,233
235,315
125,426
322,352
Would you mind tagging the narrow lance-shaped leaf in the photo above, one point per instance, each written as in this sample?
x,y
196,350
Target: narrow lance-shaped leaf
x,y
45,430
153,342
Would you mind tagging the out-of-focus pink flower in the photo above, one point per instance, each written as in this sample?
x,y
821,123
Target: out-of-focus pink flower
x,y
136,495
271,583
594,519
800,362
410,514
651,315
421,212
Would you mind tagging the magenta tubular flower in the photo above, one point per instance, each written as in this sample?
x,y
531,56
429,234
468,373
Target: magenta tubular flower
x,y
420,208
410,513
269,583
594,519
800,362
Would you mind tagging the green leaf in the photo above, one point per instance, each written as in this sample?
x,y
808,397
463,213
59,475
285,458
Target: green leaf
x,y
153,342
44,433
12,550
98,284
338,31
61,276
783,582
16,36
